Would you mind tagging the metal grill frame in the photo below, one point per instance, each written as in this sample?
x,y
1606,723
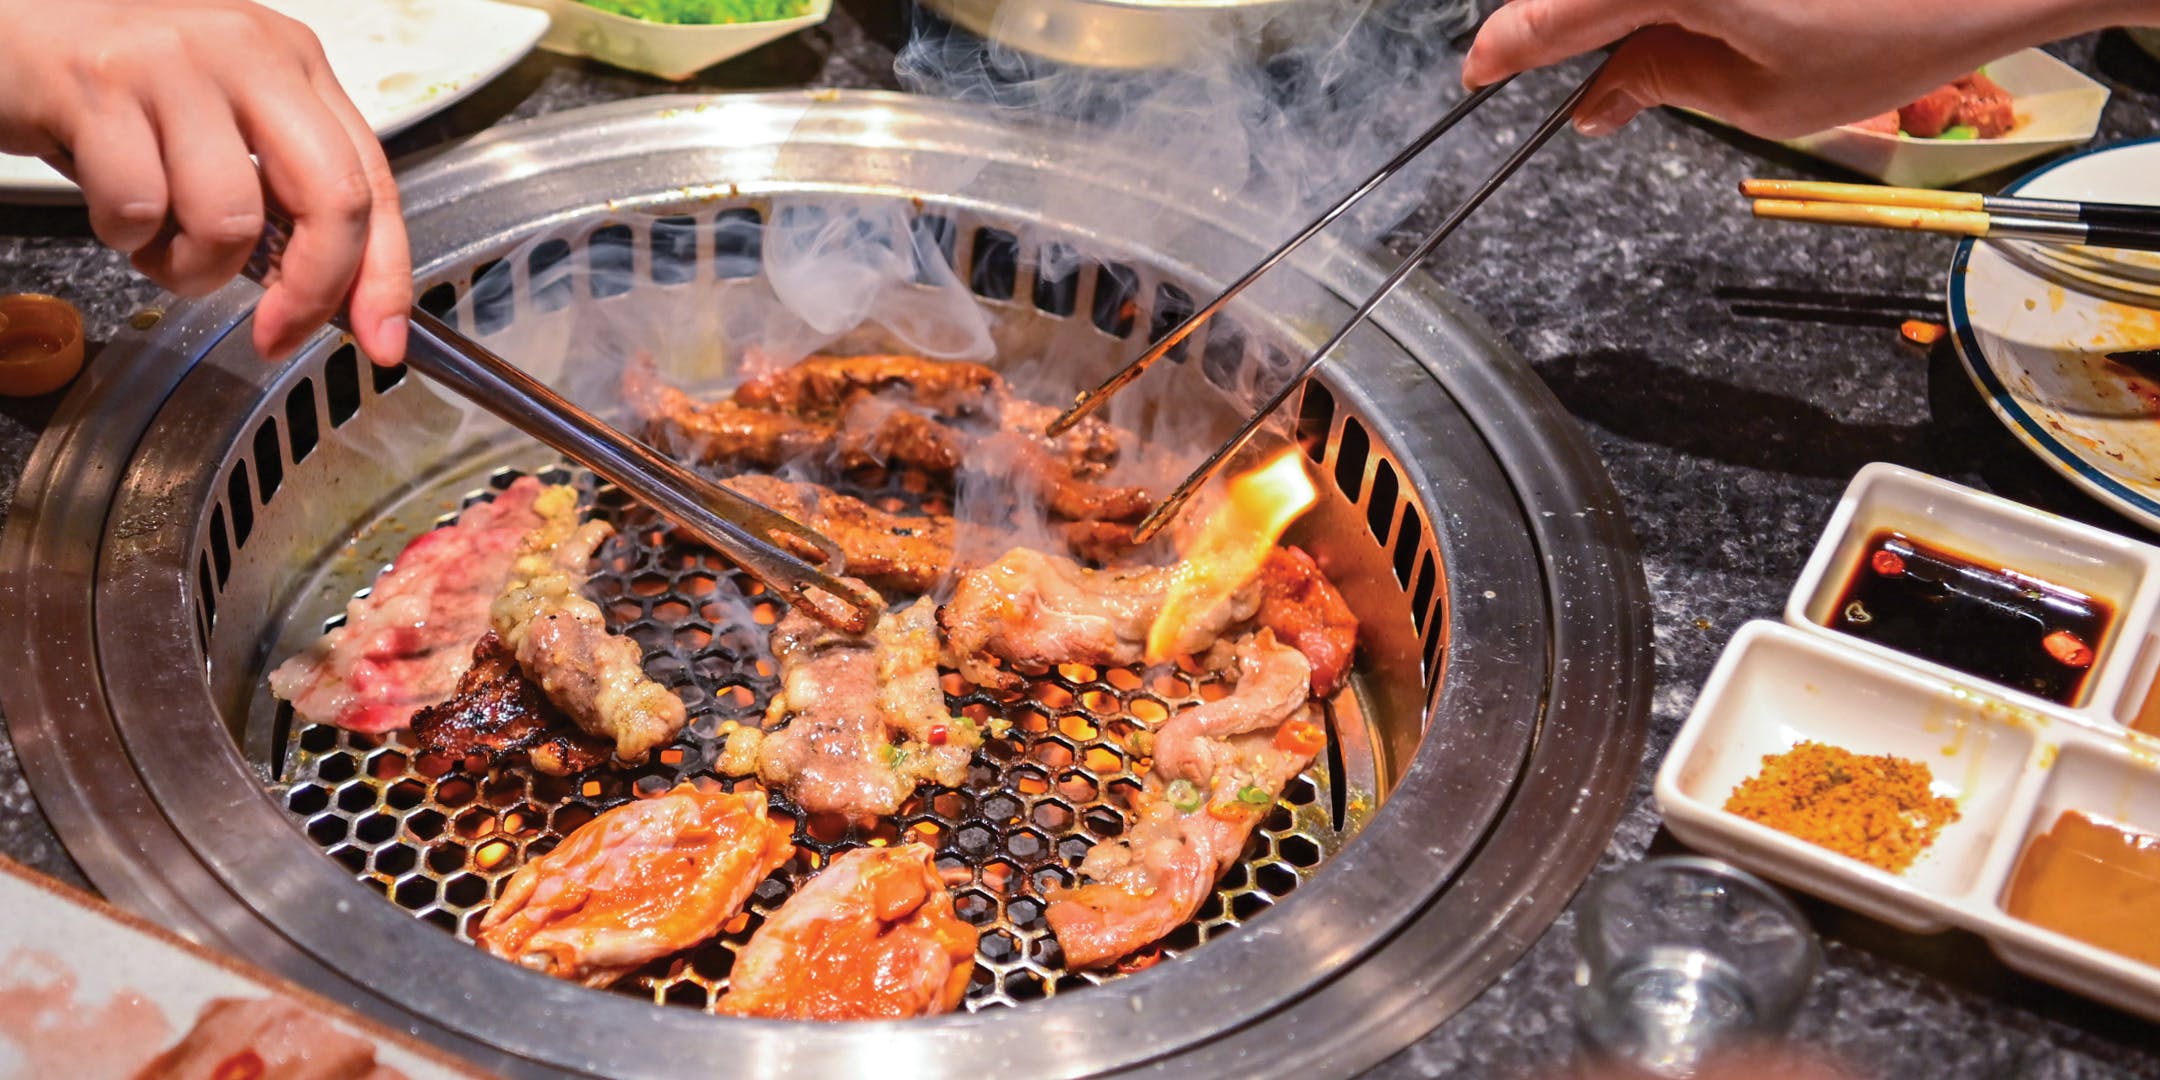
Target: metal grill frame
x,y
1557,651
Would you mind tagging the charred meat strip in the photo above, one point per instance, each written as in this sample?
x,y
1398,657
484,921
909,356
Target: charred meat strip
x,y
909,552
647,878
1302,607
865,719
1185,833
872,937
837,417
562,641
1274,681
822,385
1034,610
406,643
266,1039
499,715
902,552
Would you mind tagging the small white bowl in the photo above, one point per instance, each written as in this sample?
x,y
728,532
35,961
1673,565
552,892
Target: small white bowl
x,y
1996,531
2109,781
2057,106
1776,686
670,51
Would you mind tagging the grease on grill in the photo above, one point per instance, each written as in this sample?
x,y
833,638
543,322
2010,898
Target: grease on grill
x,y
438,842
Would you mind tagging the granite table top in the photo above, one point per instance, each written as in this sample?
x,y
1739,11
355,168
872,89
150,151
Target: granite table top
x,y
1732,374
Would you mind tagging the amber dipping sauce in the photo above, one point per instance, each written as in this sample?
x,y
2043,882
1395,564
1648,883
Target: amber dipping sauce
x,y
2095,881
1985,621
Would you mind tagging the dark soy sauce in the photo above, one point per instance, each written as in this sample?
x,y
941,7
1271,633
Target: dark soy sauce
x,y
1996,624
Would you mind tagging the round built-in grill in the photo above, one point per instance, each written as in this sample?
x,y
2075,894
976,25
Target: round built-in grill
x,y
194,516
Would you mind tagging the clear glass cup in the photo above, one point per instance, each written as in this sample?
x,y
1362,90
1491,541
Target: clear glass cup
x,y
1684,957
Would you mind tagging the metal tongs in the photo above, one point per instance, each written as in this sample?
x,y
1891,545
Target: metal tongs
x,y
1090,401
745,531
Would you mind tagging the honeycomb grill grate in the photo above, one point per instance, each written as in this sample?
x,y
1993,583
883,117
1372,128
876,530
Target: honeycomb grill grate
x,y
440,842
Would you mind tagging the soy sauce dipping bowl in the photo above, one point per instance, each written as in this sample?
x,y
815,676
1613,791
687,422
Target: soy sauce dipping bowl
x,y
2122,574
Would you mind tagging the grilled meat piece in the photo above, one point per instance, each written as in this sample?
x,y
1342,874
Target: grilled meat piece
x,y
872,937
266,1039
1302,607
562,641
902,552
647,878
866,428
1274,681
500,715
822,385
866,719
406,643
1184,834
908,552
1034,610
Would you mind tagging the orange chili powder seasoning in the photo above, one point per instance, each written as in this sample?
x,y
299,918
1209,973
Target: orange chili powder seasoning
x,y
1875,808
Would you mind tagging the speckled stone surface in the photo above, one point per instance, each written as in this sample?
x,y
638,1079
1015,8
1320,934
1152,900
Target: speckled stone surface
x,y
1733,375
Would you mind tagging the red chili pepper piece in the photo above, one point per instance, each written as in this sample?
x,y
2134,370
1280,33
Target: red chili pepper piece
x,y
2068,649
938,735
1887,563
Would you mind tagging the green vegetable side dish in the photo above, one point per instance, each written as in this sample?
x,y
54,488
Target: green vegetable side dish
x,y
703,12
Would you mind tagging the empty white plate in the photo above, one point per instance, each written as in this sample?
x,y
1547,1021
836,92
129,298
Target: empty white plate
x,y
400,60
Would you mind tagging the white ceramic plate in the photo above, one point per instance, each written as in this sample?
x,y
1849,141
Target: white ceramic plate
x,y
93,992
400,60
2035,342
2057,107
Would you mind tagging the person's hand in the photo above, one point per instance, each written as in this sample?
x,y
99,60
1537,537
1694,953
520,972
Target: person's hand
x,y
153,107
1776,68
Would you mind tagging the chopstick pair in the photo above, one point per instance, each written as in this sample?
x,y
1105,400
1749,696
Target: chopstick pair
x,y
1090,401
1958,213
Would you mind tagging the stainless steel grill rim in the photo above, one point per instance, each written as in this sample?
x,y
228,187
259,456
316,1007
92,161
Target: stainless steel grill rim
x,y
1585,755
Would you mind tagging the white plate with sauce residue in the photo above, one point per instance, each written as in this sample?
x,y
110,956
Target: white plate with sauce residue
x,y
2036,339
401,61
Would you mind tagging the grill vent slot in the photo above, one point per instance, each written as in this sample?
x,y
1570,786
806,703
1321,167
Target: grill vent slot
x,y
558,291
341,384
674,250
1316,416
1350,459
1172,305
938,234
1115,287
1057,279
239,501
494,304
609,256
1406,545
269,459
1421,596
300,422
438,300
996,268
1380,510
739,243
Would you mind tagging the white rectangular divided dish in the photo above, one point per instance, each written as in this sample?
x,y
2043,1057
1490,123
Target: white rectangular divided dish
x,y
1776,687
1996,532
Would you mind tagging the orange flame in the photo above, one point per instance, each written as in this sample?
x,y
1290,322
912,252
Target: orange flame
x,y
1229,549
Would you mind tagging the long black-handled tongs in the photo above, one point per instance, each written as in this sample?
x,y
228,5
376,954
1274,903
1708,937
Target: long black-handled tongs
x,y
736,527
1092,400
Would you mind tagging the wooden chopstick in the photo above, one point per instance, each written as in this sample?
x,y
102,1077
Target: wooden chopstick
x,y
2128,215
1959,222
